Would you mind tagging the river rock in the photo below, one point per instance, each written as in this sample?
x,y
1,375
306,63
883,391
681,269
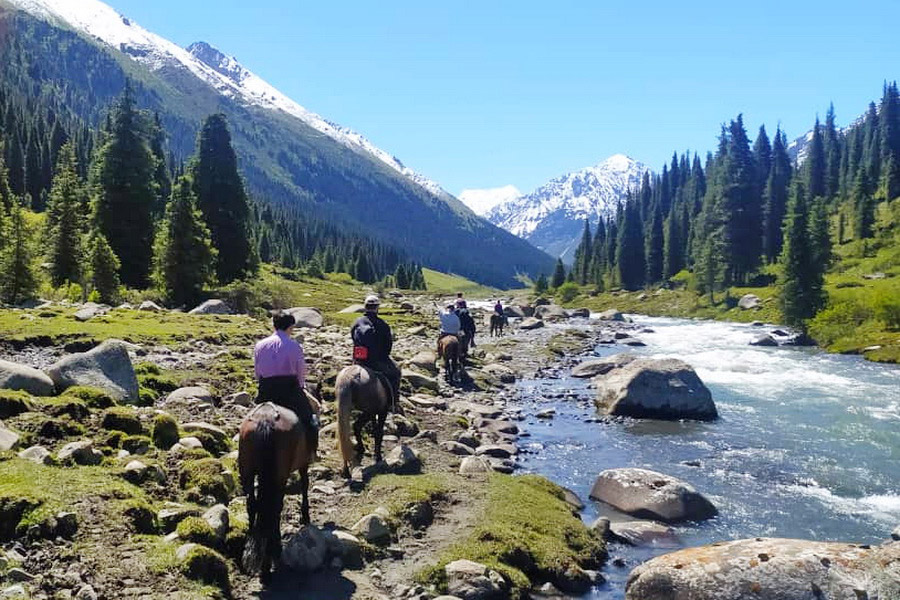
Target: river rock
x,y
583,313
189,395
514,312
418,380
106,367
307,550
474,464
425,360
422,401
651,495
631,341
611,315
655,389
748,302
763,340
479,410
211,307
8,438
307,318
531,323
372,528
219,518
644,533
14,376
601,366
82,453
550,312
403,460
496,450
895,534
212,430
470,580
501,372
782,569
456,448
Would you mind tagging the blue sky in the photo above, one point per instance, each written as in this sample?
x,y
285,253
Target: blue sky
x,y
484,94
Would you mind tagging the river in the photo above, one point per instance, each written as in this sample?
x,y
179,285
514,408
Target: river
x,y
807,444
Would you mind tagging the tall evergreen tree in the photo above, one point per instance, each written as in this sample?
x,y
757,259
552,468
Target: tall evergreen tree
x,y
819,236
815,164
863,207
802,283
18,280
401,278
362,270
122,177
832,150
6,194
540,284
673,256
15,163
184,257
762,158
598,256
105,267
581,267
221,197
654,247
65,221
161,171
889,121
741,206
630,249
776,197
559,274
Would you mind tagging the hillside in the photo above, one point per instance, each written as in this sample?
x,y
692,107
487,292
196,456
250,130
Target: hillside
x,y
78,60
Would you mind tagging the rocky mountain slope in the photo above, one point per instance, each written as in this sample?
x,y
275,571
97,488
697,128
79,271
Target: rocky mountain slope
x,y
79,54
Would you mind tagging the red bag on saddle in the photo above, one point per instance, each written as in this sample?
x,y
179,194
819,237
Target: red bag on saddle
x,y
360,353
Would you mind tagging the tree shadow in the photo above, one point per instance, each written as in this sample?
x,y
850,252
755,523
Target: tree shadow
x,y
329,584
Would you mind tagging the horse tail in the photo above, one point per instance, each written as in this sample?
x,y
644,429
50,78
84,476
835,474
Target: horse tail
x,y
259,542
344,395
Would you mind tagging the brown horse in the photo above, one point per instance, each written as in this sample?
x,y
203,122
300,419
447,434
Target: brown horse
x,y
498,322
273,444
360,388
450,349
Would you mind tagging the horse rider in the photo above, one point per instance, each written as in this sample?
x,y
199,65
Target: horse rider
x,y
281,371
450,324
466,322
460,301
498,308
372,344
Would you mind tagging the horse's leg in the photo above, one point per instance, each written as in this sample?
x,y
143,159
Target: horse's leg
x,y
358,426
304,488
379,434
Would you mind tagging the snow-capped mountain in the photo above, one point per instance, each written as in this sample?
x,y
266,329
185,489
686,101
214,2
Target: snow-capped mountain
x,y
221,71
552,216
481,201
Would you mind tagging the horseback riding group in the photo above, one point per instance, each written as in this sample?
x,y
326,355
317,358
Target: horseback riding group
x,y
280,435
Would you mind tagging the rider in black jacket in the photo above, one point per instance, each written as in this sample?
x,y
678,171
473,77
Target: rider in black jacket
x,y
372,333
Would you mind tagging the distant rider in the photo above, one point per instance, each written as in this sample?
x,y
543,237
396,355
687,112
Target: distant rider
x,y
460,301
372,344
498,308
466,322
281,370
450,324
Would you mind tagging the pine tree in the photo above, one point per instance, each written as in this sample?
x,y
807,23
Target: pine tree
x,y
819,235
673,257
105,267
18,280
863,207
581,267
184,256
889,121
654,247
802,283
401,278
540,285
630,249
6,194
815,164
362,270
65,221
161,171
775,199
598,260
222,198
762,157
15,163
122,176
832,149
742,206
559,274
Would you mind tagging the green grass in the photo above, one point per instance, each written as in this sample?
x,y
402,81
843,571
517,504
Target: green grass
x,y
443,283
397,492
527,532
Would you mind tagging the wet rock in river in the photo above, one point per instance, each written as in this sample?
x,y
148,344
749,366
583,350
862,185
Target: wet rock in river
x,y
645,533
651,495
763,340
601,366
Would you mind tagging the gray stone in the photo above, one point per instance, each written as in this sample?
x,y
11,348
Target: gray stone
x,y
219,519
86,592
601,526
307,318
611,315
172,514
470,580
546,414
403,460
631,341
645,533
895,534
770,568
19,575
212,430
211,307
748,302
501,372
601,366
82,453
150,306
352,309
479,410
66,524
14,592
372,528
515,312
182,552
582,313
763,340
189,443
422,401
14,376
572,499
417,330
496,450
531,323
348,547
417,380
456,448
650,495
135,471
655,389
190,395
106,367
425,360
37,454
8,438
89,311
239,398
474,464
551,312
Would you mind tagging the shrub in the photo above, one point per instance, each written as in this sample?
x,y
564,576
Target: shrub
x,y
567,292
147,368
121,418
887,309
197,530
838,320
94,397
13,402
165,431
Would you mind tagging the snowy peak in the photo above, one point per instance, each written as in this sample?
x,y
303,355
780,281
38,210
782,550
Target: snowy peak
x,y
481,201
225,74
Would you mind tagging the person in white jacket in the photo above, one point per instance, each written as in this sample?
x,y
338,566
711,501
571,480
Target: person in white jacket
x,y
450,324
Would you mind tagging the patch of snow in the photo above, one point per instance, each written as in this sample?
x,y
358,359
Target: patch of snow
x,y
481,201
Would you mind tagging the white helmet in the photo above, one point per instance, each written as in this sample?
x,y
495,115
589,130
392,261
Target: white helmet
x,y
372,300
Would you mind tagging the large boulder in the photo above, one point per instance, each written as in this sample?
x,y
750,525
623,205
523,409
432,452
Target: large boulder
x,y
601,366
307,318
764,340
513,311
82,453
650,495
781,569
14,376
106,367
551,312
417,380
8,438
644,533
748,302
212,307
425,360
403,460
372,528
583,313
611,315
651,388
189,395
90,310
531,323
470,580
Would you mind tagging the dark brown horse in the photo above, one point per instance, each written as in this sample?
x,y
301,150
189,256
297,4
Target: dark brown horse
x,y
273,444
360,388
450,349
498,322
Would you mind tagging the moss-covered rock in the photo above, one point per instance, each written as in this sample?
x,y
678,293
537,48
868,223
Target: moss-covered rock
x,y
146,397
197,530
165,431
162,384
65,406
206,476
121,418
140,517
216,445
58,429
202,564
13,402
147,368
136,444
93,397
235,539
